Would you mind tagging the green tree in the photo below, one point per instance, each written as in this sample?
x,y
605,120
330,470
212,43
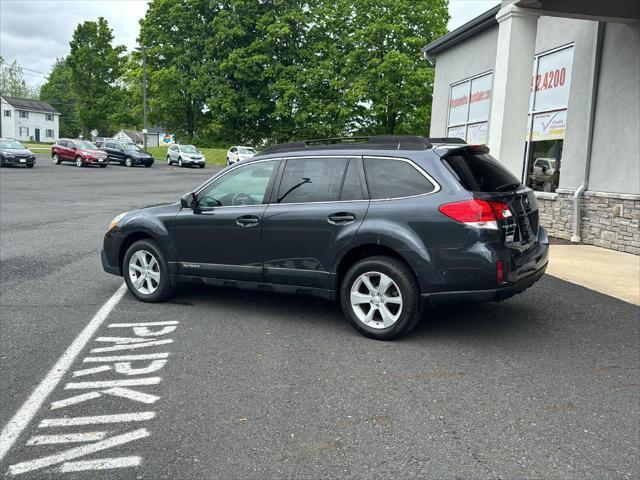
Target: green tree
x,y
12,82
96,66
390,79
56,91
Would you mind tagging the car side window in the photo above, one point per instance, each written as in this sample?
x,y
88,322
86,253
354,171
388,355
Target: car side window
x,y
119,147
394,178
312,180
246,185
352,186
234,150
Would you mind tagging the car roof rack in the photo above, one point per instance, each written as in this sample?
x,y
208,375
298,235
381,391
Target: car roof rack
x,y
446,140
382,142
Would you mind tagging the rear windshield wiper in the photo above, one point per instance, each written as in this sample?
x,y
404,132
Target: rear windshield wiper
x,y
508,186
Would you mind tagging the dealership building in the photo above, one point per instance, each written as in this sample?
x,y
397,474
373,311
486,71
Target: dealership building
x,y
553,88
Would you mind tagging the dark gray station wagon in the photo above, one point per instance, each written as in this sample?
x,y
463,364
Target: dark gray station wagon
x,y
386,225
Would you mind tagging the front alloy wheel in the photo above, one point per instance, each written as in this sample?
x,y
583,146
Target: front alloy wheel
x,y
145,272
180,163
56,159
168,160
128,162
79,162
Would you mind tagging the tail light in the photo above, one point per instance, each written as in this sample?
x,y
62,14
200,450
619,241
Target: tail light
x,y
477,213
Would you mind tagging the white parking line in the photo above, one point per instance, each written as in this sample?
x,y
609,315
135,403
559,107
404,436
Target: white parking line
x,y
30,407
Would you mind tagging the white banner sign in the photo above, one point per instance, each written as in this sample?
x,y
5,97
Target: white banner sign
x,y
480,101
551,85
549,126
459,103
457,132
477,133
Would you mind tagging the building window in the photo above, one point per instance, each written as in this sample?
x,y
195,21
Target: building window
x,y
24,131
24,114
49,133
548,118
469,108
7,113
49,117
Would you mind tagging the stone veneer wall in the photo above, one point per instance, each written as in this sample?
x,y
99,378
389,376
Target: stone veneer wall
x,y
609,220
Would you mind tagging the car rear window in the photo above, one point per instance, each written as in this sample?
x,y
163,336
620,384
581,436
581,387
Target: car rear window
x,y
480,172
394,178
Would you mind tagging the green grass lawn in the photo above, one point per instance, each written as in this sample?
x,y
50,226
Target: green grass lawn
x,y
217,156
38,146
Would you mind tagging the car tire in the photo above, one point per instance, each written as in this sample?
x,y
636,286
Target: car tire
x,y
228,161
147,165
103,166
56,159
202,165
128,162
369,309
169,162
148,289
30,165
79,162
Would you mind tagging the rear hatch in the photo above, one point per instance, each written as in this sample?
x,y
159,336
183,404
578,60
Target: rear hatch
x,y
486,179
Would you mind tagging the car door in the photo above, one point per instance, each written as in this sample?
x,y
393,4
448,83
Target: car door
x,y
313,214
108,148
64,152
219,236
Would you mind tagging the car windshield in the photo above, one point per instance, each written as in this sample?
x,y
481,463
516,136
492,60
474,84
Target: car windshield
x,y
188,149
84,145
131,147
246,150
11,145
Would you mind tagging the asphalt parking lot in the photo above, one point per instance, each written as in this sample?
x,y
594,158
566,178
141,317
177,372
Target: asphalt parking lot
x,y
257,385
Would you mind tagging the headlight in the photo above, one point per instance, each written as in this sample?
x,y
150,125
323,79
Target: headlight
x,y
115,220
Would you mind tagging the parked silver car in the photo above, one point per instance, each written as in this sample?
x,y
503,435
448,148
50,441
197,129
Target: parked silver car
x,y
185,156
238,153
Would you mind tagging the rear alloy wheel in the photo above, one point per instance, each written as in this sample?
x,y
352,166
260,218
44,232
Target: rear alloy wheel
x,y
56,159
79,162
169,162
380,297
146,273
180,163
128,162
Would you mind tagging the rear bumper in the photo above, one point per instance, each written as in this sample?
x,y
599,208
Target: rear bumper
x,y
491,295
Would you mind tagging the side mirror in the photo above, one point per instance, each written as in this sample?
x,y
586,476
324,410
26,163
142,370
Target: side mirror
x,y
188,200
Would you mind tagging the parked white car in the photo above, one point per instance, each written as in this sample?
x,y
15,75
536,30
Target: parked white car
x,y
185,156
238,153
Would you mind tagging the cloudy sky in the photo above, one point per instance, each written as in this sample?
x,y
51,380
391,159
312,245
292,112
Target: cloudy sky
x,y
36,32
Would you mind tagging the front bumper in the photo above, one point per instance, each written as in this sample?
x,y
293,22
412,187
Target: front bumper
x,y
190,161
143,161
107,267
18,161
97,161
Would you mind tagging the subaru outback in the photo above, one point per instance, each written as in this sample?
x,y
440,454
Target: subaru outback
x,y
386,225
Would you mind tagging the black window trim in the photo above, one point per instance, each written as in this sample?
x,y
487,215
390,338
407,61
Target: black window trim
x,y
273,197
436,185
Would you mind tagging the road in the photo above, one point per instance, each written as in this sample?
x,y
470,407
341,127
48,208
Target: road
x,y
257,385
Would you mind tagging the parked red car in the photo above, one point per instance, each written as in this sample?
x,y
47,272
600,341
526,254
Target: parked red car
x,y
81,152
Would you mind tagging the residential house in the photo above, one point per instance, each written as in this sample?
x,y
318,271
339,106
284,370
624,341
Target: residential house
x,y
28,120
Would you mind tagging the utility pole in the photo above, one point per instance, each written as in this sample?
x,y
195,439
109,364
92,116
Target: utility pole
x,y
144,96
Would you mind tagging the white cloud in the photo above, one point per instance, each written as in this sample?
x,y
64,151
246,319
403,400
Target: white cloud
x,y
36,32
461,11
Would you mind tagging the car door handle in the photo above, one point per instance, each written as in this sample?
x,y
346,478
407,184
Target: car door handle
x,y
247,221
341,218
